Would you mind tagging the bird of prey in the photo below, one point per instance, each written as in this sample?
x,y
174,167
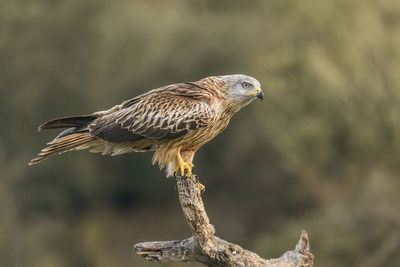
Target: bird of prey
x,y
172,121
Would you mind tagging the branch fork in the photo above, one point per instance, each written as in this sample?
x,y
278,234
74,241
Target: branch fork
x,y
209,249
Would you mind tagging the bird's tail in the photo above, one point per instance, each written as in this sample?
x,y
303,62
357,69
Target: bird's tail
x,y
74,138
64,122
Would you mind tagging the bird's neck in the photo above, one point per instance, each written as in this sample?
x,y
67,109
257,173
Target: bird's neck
x,y
233,106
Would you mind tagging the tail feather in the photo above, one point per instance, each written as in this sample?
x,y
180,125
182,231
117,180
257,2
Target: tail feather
x,y
74,141
75,138
66,122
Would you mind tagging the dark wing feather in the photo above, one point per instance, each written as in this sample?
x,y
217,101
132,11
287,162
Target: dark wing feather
x,y
168,112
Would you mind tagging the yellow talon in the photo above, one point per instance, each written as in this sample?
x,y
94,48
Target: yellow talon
x,y
202,187
182,166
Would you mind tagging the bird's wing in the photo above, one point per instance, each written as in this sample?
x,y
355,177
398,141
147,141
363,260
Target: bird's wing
x,y
169,112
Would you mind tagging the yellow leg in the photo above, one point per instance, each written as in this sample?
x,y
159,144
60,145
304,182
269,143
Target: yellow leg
x,y
182,166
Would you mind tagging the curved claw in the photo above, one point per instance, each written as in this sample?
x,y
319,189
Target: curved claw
x,y
202,187
185,168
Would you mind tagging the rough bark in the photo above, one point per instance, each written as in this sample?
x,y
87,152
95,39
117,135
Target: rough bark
x,y
206,248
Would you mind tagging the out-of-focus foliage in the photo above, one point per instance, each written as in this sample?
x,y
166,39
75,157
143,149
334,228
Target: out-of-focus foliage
x,y
321,153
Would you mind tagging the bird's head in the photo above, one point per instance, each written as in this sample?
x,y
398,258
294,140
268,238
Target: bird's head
x,y
241,89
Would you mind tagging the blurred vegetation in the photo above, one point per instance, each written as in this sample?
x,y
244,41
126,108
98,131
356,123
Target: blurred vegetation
x,y
321,152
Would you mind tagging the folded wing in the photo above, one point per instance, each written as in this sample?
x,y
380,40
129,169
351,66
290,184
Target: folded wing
x,y
165,113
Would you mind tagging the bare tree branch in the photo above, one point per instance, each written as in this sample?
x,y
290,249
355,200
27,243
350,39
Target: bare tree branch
x,y
206,248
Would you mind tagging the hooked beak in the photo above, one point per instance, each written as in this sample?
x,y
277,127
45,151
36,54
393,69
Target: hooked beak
x,y
260,93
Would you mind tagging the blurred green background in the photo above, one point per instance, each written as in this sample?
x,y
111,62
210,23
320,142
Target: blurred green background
x,y
321,153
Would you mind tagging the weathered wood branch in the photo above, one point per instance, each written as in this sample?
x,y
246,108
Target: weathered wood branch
x,y
206,248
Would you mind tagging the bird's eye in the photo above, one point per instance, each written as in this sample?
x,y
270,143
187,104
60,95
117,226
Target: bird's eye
x,y
246,85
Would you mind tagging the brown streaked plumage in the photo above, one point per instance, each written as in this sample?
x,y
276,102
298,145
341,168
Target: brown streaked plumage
x,y
173,121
